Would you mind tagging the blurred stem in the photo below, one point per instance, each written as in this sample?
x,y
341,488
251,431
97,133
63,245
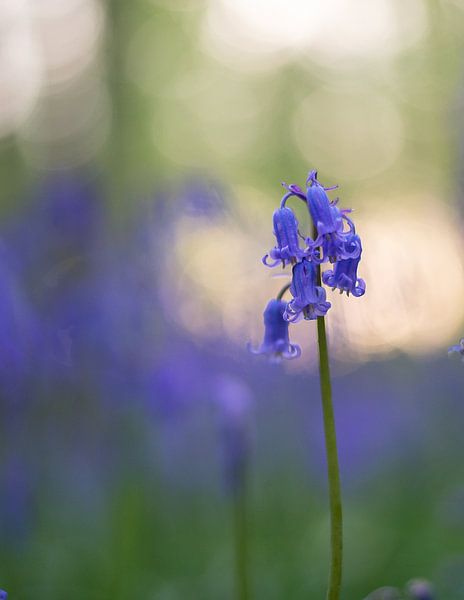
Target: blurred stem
x,y
240,535
282,291
117,148
333,471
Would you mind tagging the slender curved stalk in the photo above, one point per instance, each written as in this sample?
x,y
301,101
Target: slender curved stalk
x,y
280,295
240,534
335,500
333,470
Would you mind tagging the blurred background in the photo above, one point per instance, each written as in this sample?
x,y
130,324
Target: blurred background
x,y
142,146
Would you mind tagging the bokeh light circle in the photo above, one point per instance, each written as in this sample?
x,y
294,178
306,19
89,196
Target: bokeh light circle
x,y
358,133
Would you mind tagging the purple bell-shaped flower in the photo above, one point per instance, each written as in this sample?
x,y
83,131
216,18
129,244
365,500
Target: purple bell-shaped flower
x,y
332,240
344,276
287,249
309,300
276,342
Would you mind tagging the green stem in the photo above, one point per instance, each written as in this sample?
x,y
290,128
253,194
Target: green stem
x,y
282,291
336,520
240,533
333,470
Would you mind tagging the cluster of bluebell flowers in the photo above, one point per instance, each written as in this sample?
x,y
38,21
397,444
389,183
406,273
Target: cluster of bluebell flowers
x,y
334,240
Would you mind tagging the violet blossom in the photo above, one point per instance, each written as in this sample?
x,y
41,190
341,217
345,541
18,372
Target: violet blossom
x,y
276,342
329,222
420,589
335,240
286,232
309,299
344,276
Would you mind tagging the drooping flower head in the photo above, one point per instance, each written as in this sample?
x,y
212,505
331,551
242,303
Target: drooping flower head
x,y
420,589
276,342
309,299
344,276
325,214
329,222
286,232
333,239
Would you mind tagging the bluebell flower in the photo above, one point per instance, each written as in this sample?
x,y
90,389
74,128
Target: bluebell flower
x,y
420,589
332,241
344,276
286,232
309,300
3,595
199,197
276,342
459,348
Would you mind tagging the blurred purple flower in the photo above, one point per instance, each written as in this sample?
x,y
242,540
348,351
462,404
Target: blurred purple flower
x,y
344,276
53,239
286,232
309,299
54,249
420,589
177,382
3,595
276,342
19,331
72,210
201,198
417,589
233,399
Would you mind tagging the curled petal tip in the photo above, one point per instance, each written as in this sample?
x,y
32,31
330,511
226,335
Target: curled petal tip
x,y
267,264
294,351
